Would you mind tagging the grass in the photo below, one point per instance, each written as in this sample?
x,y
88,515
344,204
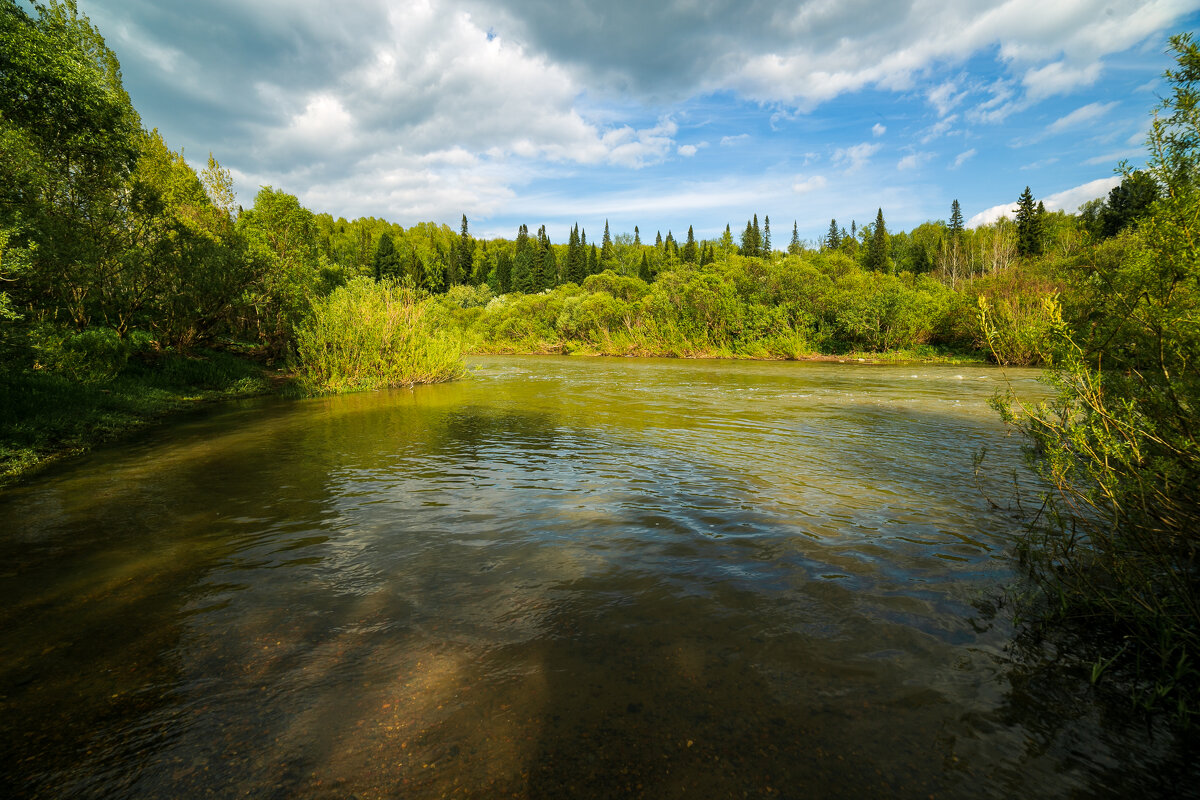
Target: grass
x,y
45,416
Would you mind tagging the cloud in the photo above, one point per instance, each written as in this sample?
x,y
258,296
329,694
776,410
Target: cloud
x,y
944,97
1080,116
804,185
856,157
878,130
962,158
687,150
1068,200
938,129
729,141
1059,78
913,160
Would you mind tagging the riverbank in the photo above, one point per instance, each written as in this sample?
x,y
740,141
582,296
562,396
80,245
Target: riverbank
x,y
919,355
45,416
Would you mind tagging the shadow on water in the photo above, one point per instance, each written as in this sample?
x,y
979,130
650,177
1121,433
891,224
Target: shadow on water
x,y
338,598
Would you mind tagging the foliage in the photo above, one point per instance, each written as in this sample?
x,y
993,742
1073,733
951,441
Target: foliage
x,y
1118,443
368,335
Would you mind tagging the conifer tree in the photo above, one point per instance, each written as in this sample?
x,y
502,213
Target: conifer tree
x,y
524,262
833,239
466,252
1029,234
877,249
387,265
726,243
748,240
549,272
794,245
593,265
689,247
576,260
644,268
637,237
956,221
658,240
756,247
766,237
606,249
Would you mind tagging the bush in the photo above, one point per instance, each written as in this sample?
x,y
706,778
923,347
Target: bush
x,y
368,335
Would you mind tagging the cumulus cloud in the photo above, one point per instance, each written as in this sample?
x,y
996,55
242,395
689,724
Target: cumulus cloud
x,y
1068,200
856,157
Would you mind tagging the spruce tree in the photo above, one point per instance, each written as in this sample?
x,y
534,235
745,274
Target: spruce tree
x,y
766,237
606,249
956,221
1029,235
549,273
689,248
576,260
877,249
833,239
466,252
748,240
727,243
658,240
387,265
637,237
794,245
644,268
524,262
593,265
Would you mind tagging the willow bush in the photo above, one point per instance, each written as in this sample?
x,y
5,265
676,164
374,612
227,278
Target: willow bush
x,y
368,335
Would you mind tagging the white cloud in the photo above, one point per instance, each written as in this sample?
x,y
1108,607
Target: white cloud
x,y
913,160
944,97
962,158
729,141
1059,78
878,130
687,150
804,185
856,157
938,129
1068,200
1080,116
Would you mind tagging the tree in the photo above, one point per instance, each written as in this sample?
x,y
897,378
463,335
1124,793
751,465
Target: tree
x,y
465,253
794,246
606,249
690,253
524,262
1128,203
644,269
727,243
1029,234
766,237
956,220
387,265
576,266
833,239
877,259
637,237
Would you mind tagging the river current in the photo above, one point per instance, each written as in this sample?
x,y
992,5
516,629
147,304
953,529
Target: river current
x,y
560,577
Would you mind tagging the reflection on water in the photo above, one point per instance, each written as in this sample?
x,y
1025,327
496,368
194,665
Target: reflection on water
x,y
590,577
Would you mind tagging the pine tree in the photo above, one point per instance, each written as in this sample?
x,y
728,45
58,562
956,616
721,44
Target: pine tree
x,y
606,249
757,244
658,240
689,247
1029,235
593,265
637,237
833,239
727,243
794,245
576,260
549,276
877,249
748,240
766,237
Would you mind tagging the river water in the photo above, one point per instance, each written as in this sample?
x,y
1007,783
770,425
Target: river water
x,y
559,577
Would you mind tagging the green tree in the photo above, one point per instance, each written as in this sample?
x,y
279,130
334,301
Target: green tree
x,y
1029,233
833,238
690,253
766,237
465,252
606,250
877,248
727,246
387,264
794,246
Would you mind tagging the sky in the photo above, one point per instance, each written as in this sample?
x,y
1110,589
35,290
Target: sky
x,y
662,115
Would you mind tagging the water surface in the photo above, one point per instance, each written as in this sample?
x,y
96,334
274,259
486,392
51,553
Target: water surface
x,y
560,577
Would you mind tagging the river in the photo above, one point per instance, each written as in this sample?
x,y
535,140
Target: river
x,y
559,577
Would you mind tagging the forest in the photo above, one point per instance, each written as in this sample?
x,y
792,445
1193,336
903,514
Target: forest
x,y
132,285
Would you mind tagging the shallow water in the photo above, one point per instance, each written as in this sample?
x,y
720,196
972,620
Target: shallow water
x,y
560,577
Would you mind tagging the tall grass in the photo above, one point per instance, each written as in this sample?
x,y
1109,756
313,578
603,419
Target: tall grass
x,y
368,335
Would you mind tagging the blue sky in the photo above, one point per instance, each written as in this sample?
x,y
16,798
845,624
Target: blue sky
x,y
658,115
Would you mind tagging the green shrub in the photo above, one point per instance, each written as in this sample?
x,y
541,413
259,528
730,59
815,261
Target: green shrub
x,y
368,335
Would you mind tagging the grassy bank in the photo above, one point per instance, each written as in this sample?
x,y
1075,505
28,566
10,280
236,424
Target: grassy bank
x,y
45,416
